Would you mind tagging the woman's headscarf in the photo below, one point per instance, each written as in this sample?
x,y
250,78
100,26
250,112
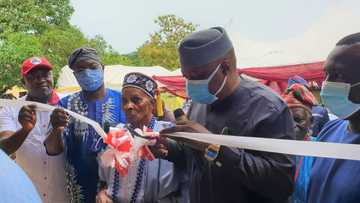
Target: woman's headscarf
x,y
297,95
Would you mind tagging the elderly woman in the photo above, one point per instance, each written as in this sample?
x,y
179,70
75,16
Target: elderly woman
x,y
146,181
300,101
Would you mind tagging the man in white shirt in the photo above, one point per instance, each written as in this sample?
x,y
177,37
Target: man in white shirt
x,y
24,129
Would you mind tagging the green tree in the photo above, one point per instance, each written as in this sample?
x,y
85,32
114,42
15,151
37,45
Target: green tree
x,y
134,59
108,55
58,43
113,58
41,28
161,48
33,16
16,48
99,43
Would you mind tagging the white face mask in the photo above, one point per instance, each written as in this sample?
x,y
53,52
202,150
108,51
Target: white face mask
x,y
335,96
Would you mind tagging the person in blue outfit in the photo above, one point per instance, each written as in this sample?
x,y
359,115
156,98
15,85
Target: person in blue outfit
x,y
336,180
16,185
157,181
320,115
320,118
300,101
79,141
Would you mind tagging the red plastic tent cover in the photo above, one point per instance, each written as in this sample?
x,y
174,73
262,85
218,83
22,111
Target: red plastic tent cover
x,y
275,77
173,84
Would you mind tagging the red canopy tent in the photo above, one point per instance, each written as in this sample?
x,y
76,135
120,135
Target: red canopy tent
x,y
275,77
173,84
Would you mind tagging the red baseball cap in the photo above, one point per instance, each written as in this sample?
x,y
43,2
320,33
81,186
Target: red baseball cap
x,y
34,62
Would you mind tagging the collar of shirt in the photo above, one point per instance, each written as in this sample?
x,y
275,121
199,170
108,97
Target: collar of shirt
x,y
54,99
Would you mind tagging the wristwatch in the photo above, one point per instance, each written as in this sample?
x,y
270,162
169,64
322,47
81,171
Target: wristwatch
x,y
212,151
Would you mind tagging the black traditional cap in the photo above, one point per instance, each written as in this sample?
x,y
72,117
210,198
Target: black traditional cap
x,y
83,53
141,81
204,47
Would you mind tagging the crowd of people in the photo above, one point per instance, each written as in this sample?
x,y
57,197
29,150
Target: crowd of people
x,y
61,154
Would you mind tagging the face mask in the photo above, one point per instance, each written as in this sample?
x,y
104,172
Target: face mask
x,y
90,79
335,95
198,90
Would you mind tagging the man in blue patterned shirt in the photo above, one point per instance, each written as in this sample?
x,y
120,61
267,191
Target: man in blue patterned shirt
x,y
80,142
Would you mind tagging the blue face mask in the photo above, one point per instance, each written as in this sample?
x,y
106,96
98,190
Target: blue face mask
x,y
90,79
198,90
335,96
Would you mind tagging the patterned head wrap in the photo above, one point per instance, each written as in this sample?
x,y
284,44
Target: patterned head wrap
x,y
84,53
297,79
142,82
298,95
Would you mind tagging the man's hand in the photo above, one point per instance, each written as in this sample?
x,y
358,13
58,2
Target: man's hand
x,y
102,197
187,126
59,120
160,149
12,141
27,117
53,143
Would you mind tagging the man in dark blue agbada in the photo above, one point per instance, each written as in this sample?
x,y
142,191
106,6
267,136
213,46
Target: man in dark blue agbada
x,y
80,142
224,103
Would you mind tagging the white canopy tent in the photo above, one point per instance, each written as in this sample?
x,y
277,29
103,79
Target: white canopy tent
x,y
312,45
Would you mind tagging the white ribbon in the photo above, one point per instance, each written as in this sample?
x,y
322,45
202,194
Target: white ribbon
x,y
293,147
49,108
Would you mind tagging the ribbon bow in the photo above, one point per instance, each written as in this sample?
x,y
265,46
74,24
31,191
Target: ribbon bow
x,y
127,146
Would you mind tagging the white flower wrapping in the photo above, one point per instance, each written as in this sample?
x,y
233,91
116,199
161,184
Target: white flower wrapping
x,y
112,154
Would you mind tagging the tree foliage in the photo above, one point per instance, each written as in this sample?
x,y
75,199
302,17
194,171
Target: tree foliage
x,y
111,57
41,28
33,16
21,16
59,42
161,49
12,51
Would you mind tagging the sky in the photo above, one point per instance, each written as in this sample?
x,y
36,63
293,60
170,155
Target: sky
x,y
257,28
